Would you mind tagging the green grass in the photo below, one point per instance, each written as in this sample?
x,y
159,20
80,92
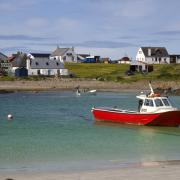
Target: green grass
x,y
116,72
112,72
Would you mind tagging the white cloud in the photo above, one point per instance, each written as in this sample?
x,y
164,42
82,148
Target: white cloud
x,y
134,9
37,22
14,5
67,23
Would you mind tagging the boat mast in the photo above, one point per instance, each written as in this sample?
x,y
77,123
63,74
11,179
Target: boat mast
x,y
152,91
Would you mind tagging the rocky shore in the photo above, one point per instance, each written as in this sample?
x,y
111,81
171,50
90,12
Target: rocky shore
x,y
166,87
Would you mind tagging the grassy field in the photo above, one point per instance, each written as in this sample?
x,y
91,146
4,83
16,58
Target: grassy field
x,y
116,72
112,72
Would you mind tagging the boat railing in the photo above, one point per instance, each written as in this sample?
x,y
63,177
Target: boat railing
x,y
116,109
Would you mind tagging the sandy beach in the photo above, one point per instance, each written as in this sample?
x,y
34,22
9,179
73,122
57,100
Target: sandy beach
x,y
148,171
70,84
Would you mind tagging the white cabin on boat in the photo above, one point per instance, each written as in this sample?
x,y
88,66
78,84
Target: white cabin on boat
x,y
154,103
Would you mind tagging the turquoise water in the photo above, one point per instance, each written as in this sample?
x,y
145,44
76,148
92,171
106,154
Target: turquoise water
x,y
55,130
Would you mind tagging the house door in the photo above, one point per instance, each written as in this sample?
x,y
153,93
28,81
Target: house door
x,y
58,72
49,72
38,72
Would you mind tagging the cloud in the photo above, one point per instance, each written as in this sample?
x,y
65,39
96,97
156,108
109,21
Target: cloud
x,y
105,44
37,22
13,5
168,33
21,37
14,48
89,44
127,37
134,9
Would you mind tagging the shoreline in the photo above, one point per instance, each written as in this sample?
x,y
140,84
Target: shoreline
x,y
160,170
57,84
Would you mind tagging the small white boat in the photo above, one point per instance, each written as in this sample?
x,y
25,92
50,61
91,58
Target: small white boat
x,y
85,92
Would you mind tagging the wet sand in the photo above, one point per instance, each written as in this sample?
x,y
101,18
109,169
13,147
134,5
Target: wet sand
x,y
148,171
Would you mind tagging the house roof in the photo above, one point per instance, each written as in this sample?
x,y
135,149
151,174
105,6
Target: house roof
x,y
60,51
40,55
18,60
83,55
155,51
46,63
124,59
3,57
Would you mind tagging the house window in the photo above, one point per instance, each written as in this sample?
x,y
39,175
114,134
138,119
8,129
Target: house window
x,y
140,52
37,63
69,54
64,58
47,63
57,64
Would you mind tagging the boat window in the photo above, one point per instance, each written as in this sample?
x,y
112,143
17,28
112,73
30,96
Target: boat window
x,y
166,102
148,102
158,102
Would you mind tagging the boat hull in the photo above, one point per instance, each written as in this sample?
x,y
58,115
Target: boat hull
x,y
170,118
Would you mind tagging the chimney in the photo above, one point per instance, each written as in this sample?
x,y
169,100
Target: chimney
x,y
149,51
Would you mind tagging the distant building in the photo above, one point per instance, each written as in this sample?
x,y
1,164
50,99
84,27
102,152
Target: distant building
x,y
23,65
153,55
82,57
64,54
3,57
124,60
175,59
18,64
91,59
4,66
105,60
140,66
43,65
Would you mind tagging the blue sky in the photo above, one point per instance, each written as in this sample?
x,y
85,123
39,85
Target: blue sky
x,y
110,28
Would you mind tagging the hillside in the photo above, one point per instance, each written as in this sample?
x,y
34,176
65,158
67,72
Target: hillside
x,y
116,72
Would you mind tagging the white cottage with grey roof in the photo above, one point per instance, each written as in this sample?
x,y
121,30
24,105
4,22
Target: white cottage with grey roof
x,y
45,66
153,55
64,54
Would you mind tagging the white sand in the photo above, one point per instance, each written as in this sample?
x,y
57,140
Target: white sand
x,y
148,171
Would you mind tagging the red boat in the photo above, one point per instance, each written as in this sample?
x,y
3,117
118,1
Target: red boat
x,y
153,110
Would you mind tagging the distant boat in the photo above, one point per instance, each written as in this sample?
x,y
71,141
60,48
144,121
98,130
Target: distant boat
x,y
85,91
153,110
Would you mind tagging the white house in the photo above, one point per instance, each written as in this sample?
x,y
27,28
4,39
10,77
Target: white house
x,y
45,66
153,55
124,60
64,54
41,64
